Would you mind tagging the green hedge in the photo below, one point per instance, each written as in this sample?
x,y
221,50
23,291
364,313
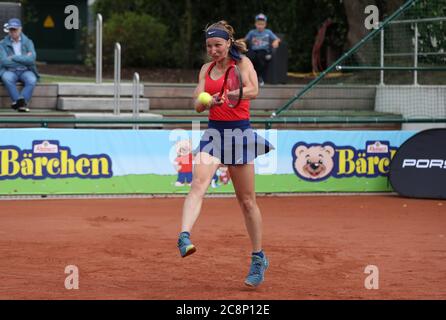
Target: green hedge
x,y
185,20
142,37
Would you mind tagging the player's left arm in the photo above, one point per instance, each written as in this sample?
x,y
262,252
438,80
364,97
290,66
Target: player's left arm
x,y
249,78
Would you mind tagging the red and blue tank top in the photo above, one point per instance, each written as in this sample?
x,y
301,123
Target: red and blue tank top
x,y
224,112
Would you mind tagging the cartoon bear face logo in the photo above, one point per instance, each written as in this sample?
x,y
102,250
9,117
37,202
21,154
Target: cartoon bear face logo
x,y
313,162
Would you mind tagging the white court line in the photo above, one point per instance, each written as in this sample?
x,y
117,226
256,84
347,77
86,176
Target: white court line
x,y
160,196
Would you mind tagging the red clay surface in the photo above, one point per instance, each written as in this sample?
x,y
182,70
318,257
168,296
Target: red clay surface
x,y
318,249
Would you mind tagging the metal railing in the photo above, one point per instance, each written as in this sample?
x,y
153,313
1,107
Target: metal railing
x,y
374,68
117,80
135,99
99,48
345,56
416,54
268,122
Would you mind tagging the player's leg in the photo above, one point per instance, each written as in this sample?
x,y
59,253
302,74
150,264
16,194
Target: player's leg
x,y
29,80
9,80
243,180
204,169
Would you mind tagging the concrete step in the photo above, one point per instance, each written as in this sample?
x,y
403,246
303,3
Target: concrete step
x,y
6,112
34,113
273,104
98,104
35,103
304,114
94,89
180,113
306,126
122,116
155,90
44,97
179,96
51,114
41,90
37,113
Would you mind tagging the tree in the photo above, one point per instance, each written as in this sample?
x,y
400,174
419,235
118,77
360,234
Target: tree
x,y
354,10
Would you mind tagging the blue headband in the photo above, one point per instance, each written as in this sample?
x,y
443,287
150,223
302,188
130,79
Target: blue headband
x,y
218,33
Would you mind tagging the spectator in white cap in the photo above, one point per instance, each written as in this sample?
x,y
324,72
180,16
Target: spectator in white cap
x,y
18,64
261,42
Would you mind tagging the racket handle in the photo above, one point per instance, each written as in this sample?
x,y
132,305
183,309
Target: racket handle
x,y
218,100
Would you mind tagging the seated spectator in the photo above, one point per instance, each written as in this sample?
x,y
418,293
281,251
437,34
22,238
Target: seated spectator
x,y
18,64
261,42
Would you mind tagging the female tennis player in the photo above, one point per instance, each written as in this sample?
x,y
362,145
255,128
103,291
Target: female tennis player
x,y
229,140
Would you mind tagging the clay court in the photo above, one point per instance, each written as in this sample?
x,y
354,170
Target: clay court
x,y
318,247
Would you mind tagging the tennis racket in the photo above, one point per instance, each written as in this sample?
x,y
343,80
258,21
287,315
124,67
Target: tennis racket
x,y
232,89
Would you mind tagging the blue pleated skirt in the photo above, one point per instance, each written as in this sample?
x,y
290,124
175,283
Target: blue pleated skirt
x,y
233,142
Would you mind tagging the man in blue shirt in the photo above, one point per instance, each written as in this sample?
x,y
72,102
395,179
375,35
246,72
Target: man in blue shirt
x,y
261,42
18,63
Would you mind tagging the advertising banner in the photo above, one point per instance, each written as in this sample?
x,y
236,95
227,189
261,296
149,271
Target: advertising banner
x,y
418,169
75,161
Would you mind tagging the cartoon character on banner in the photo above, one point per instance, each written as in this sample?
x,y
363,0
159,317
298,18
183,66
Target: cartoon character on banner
x,y
214,181
225,178
313,162
183,163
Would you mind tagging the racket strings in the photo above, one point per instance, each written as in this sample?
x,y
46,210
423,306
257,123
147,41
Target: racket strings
x,y
233,87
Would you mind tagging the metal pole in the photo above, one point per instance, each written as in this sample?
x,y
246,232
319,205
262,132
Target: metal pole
x,y
99,48
440,19
117,78
415,74
135,100
391,68
382,57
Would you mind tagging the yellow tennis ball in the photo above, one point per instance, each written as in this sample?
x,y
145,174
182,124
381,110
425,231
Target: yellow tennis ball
x,y
205,98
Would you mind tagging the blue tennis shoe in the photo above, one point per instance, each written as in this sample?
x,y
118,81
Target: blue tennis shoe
x,y
257,271
185,245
